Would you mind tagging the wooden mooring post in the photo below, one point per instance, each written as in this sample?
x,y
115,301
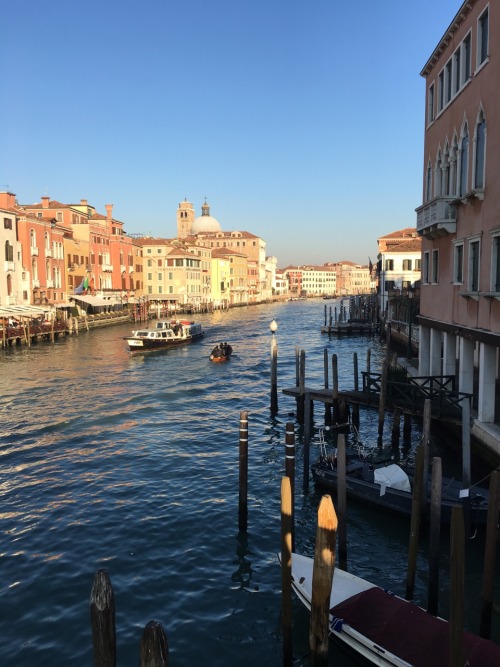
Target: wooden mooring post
x,y
102,617
382,399
434,537
335,390
307,439
154,646
355,406
490,551
290,469
342,501
328,412
416,509
457,578
243,472
286,570
323,569
301,384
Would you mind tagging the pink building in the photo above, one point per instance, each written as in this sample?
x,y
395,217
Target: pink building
x,y
459,219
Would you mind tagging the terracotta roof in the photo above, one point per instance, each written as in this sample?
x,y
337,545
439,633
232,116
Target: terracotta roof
x,y
413,245
410,232
52,204
225,252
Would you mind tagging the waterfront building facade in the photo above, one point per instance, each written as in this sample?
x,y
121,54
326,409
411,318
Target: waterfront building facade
x,y
237,264
352,279
14,289
399,265
458,218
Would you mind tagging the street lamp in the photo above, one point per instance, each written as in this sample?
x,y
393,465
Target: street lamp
x,y
274,327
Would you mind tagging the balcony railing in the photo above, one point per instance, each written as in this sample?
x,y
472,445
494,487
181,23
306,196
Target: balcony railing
x,y
437,217
34,251
50,283
123,268
107,267
36,283
48,252
9,266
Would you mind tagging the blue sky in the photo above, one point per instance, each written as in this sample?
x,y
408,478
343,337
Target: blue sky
x,y
300,121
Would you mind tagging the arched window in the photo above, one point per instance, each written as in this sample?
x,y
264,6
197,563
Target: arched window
x,y
445,187
464,161
438,176
428,182
480,149
9,285
32,238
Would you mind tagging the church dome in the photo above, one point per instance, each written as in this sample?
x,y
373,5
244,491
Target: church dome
x,y
205,222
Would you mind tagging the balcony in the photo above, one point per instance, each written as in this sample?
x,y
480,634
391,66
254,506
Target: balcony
x,y
48,252
9,266
36,283
34,251
107,267
437,217
123,268
50,283
131,269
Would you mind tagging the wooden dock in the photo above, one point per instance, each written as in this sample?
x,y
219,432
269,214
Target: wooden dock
x,y
350,328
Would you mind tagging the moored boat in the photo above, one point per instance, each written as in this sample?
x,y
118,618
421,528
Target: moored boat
x,y
221,352
384,628
166,334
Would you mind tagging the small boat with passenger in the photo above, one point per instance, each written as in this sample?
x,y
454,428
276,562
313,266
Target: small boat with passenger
x,y
221,352
166,334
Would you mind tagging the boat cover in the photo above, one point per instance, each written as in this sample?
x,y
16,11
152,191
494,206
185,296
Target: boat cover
x,y
409,632
391,476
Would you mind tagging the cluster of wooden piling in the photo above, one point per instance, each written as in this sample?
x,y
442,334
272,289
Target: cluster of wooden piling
x,y
361,321
153,649
332,534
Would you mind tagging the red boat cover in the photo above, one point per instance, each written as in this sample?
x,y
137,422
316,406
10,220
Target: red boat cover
x,y
410,632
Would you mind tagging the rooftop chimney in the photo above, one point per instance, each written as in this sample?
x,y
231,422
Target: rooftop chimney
x,y
45,201
109,212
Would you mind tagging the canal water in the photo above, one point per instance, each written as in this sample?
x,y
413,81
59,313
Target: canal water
x,y
130,463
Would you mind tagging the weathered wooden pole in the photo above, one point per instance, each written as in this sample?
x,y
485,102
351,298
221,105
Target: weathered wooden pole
x,y
243,470
368,360
302,384
52,323
415,522
457,577
434,537
324,565
274,375
382,399
406,427
342,501
325,313
426,438
396,425
466,464
335,390
286,570
307,437
328,412
102,617
290,469
490,551
154,646
356,378
355,405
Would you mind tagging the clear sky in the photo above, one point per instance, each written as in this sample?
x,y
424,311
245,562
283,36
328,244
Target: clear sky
x,y
301,121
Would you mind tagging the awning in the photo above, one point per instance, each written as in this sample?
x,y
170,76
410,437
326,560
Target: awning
x,y
23,311
92,300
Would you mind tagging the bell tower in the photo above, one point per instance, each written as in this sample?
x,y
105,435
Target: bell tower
x,y
185,219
